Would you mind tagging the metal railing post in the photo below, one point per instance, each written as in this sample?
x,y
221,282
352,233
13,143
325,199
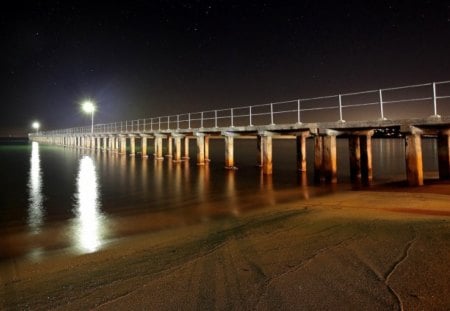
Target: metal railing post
x,y
271,114
159,123
189,120
340,108
232,117
168,122
434,100
215,118
178,121
380,92
201,120
250,116
298,111
151,124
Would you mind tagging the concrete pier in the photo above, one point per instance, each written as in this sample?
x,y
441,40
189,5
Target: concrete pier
x,y
186,148
443,141
159,146
132,145
144,151
267,154
329,162
259,151
177,139
358,133
169,147
229,152
300,140
360,151
200,149
413,154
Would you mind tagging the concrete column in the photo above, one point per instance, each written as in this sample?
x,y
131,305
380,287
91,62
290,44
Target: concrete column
x,y
229,152
144,146
267,155
186,148
177,157
92,142
105,143
329,159
318,158
200,149
132,145
413,154
444,154
366,158
207,149
169,147
123,145
259,151
159,149
354,145
111,143
116,144
301,151
99,145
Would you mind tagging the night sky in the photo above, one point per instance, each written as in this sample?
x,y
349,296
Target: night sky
x,y
140,59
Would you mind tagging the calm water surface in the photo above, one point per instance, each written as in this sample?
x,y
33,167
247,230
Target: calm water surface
x,y
55,198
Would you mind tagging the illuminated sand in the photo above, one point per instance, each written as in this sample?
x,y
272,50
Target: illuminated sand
x,y
349,250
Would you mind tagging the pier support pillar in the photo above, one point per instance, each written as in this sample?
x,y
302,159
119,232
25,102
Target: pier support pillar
x,y
169,147
186,148
267,154
123,145
144,146
159,147
300,140
200,149
329,159
92,146
207,159
105,143
259,151
98,144
116,144
444,154
177,157
318,158
132,145
413,154
229,152
360,147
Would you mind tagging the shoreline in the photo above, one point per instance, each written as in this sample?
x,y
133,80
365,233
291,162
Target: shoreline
x,y
361,249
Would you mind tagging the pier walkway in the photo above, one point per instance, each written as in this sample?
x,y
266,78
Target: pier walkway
x,y
413,111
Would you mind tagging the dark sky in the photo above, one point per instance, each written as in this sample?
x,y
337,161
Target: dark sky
x,y
139,59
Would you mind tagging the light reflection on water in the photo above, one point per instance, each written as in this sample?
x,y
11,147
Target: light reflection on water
x,y
89,220
94,197
35,197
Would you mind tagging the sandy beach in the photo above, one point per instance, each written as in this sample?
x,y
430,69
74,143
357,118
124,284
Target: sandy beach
x,y
361,250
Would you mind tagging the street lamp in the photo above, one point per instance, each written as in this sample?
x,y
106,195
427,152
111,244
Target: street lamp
x,y
89,107
36,126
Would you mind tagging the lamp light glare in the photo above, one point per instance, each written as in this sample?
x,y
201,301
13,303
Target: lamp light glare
x,y
36,125
88,106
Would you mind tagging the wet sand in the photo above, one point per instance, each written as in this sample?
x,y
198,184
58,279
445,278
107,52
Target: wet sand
x,y
361,250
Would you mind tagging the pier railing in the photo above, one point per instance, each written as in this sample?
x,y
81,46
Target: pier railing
x,y
420,100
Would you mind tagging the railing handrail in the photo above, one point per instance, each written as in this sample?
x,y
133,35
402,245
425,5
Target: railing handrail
x,y
163,123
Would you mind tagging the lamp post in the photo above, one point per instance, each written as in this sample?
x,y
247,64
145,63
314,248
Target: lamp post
x,y
89,107
36,126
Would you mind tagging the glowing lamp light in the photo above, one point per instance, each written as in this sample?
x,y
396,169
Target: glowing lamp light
x,y
36,126
88,106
